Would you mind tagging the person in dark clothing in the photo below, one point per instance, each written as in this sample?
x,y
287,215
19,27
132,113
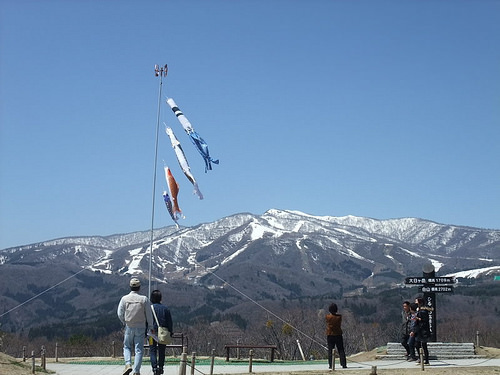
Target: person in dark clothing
x,y
334,335
157,350
412,330
405,333
422,331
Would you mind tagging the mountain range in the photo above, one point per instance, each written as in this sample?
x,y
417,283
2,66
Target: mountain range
x,y
279,255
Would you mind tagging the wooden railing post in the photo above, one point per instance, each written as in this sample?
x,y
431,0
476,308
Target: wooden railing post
x,y
182,364
421,358
42,356
212,362
193,362
250,362
32,361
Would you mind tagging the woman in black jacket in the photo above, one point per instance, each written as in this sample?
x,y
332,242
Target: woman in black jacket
x,y
422,331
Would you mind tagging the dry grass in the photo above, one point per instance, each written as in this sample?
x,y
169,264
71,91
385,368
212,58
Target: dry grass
x,y
14,366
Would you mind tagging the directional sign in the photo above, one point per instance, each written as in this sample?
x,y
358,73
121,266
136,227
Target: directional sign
x,y
429,280
436,289
416,280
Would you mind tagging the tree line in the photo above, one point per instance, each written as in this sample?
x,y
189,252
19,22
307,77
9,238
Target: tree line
x,y
370,320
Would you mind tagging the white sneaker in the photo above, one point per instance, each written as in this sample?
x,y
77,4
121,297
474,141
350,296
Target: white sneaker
x,y
128,370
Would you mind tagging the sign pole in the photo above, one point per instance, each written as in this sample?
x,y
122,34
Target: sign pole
x,y
430,301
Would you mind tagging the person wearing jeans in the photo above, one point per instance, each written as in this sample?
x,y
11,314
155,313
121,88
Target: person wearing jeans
x,y
133,341
134,311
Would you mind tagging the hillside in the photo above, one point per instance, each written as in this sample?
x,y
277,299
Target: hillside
x,y
229,267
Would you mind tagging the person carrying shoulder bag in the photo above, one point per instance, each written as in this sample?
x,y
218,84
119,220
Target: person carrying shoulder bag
x,y
162,318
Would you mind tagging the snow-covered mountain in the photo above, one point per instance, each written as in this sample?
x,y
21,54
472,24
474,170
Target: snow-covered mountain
x,y
306,243
280,254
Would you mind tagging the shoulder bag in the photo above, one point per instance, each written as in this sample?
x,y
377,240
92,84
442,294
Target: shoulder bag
x,y
163,333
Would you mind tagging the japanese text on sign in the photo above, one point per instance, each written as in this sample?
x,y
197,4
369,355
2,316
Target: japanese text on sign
x,y
429,280
437,289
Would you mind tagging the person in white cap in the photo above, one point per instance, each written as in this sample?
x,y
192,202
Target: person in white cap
x,y
134,311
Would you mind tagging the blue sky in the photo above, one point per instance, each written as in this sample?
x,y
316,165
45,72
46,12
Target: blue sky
x,y
382,109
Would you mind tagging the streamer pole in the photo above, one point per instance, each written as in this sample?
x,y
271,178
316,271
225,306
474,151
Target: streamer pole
x,y
159,72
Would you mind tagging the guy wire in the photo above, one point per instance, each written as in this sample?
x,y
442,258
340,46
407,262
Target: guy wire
x,y
261,306
48,289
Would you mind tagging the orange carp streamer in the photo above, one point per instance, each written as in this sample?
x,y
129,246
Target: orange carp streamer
x,y
173,187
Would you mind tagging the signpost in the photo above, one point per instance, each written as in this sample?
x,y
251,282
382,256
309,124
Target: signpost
x,y
430,284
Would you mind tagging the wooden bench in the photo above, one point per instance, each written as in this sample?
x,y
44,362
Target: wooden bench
x,y
171,345
229,347
178,335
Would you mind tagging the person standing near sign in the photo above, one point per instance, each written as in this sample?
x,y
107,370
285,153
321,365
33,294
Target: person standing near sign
x,y
405,333
422,329
412,329
334,335
157,350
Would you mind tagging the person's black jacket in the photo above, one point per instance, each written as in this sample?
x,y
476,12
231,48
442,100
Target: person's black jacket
x,y
422,329
164,317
